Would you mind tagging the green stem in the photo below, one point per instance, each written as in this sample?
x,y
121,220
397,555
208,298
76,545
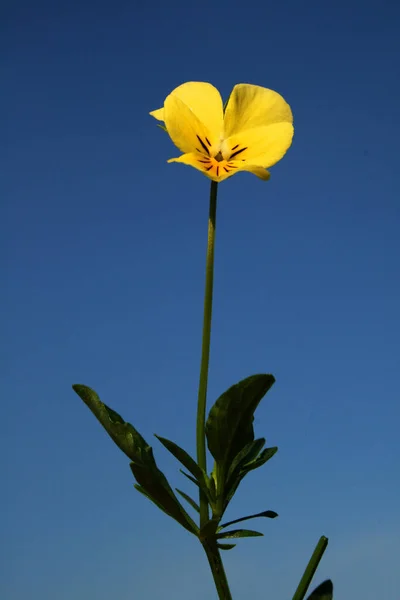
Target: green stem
x,y
205,350
310,569
210,546
217,569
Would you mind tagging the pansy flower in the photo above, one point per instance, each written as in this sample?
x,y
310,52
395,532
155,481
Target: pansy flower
x,y
251,133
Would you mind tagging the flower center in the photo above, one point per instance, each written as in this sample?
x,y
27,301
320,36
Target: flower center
x,y
216,160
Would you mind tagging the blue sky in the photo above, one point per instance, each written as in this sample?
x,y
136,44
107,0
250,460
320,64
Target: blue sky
x,y
103,249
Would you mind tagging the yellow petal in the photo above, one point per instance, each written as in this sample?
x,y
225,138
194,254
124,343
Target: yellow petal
x,y
217,171
262,146
158,114
259,171
251,106
186,130
205,101
193,115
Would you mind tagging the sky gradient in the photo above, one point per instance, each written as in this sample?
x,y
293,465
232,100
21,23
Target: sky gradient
x,y
103,253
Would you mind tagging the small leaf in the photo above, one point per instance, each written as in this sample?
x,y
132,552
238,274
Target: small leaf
x,y
192,479
265,456
186,524
270,514
157,488
238,533
323,591
212,489
207,490
246,455
184,458
231,489
239,473
190,500
226,546
229,425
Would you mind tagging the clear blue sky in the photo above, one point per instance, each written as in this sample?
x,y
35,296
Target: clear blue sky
x,y
103,250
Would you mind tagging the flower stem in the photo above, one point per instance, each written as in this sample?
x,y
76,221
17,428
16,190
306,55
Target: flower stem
x,y
210,546
217,569
205,349
311,568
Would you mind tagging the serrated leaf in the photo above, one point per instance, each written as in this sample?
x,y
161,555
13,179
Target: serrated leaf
x,y
226,546
238,533
270,514
323,591
190,500
229,425
123,434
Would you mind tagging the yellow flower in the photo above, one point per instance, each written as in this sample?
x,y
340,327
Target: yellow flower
x,y
251,134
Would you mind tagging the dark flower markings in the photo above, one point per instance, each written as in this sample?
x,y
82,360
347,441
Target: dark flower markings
x,y
228,167
237,152
203,145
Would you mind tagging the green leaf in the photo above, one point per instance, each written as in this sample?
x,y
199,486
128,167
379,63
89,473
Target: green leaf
x,y
270,514
230,491
157,489
175,514
149,497
212,489
187,461
208,490
192,479
190,500
246,455
229,426
311,568
152,482
265,456
123,434
323,591
226,546
242,470
209,529
238,533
